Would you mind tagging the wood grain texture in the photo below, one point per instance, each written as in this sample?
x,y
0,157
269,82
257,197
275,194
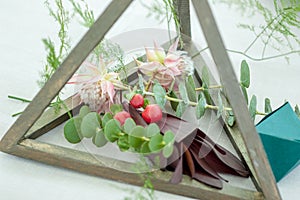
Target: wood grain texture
x,y
235,97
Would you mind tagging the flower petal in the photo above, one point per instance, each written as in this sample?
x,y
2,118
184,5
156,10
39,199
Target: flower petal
x,y
174,46
149,68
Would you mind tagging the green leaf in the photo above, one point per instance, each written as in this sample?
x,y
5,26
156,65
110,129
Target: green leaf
x,y
200,108
129,125
99,139
230,118
244,90
141,82
183,93
106,118
180,109
123,143
90,125
152,129
159,95
252,107
190,88
145,148
297,111
169,137
220,105
136,136
84,110
205,77
112,130
173,103
168,150
156,143
268,107
115,108
245,74
146,102
72,130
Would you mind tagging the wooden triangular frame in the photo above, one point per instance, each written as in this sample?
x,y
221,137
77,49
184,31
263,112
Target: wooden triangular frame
x,y
19,140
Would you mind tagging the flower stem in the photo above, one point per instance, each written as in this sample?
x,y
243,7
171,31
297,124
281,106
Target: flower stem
x,y
210,87
216,107
19,99
260,113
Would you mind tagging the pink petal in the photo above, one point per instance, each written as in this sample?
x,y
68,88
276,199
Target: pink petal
x,y
174,46
79,78
171,60
149,68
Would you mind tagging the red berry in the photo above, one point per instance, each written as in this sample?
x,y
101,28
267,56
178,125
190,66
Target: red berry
x,y
152,113
122,116
137,101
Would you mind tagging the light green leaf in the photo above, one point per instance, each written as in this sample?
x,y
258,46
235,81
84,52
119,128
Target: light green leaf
x,y
141,82
156,143
106,118
205,77
252,107
200,108
115,108
84,110
190,88
168,150
169,137
152,129
183,93
159,95
136,135
99,139
230,118
90,125
245,74
123,143
145,148
72,130
244,90
220,105
268,107
129,125
180,109
173,103
112,130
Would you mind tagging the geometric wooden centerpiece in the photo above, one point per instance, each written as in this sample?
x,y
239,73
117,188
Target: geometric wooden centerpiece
x,y
20,138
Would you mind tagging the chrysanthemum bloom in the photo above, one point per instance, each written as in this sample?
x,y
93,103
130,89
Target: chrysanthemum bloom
x,y
165,67
97,87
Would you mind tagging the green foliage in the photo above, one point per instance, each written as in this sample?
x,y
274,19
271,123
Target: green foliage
x,y
220,105
180,109
99,139
252,107
174,104
183,93
115,108
87,15
268,107
90,125
72,130
190,89
201,106
297,111
230,118
159,95
245,74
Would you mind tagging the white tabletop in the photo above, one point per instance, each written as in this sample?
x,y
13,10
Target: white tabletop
x,y
25,23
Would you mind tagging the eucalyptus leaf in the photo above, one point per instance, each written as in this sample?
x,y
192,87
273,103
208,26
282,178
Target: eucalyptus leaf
x,y
183,93
173,103
159,95
230,118
156,143
72,130
152,130
205,77
106,118
123,143
115,108
252,107
129,125
220,105
190,89
180,109
99,139
145,148
200,108
245,74
141,82
90,124
169,137
112,130
84,110
268,107
168,150
244,90
207,94
136,135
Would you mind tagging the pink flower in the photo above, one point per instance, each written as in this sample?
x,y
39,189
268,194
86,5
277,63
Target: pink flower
x,y
97,86
164,67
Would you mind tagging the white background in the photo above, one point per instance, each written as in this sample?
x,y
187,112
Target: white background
x,y
25,23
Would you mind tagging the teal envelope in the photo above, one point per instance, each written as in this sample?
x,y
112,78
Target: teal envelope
x,y
280,135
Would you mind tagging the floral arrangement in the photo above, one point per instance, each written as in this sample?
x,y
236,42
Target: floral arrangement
x,y
144,117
